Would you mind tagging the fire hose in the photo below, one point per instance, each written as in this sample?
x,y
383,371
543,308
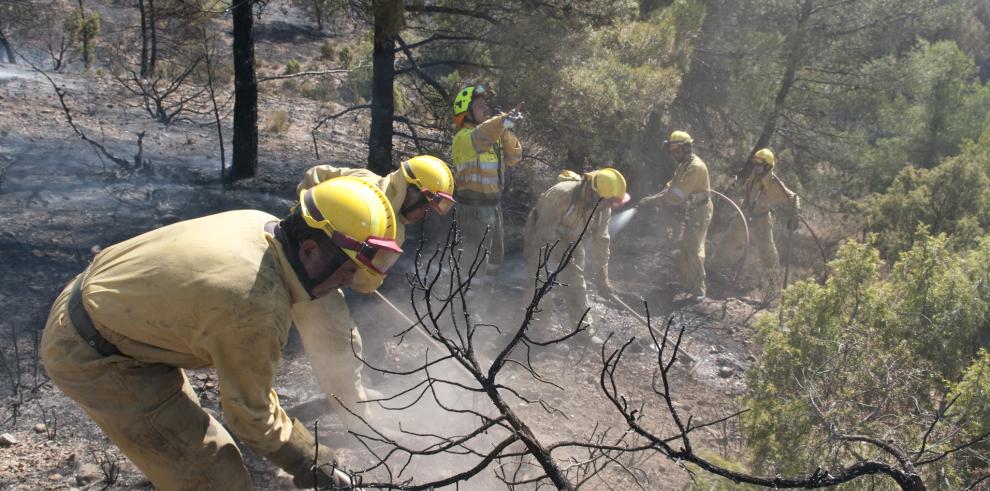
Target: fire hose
x,y
737,268
646,323
413,324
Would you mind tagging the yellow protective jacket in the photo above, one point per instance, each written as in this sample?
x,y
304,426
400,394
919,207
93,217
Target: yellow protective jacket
x,y
394,186
560,214
480,155
689,184
215,291
763,194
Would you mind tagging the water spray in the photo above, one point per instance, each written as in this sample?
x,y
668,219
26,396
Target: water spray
x,y
620,220
420,329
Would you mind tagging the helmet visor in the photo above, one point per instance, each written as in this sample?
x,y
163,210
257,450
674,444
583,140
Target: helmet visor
x,y
618,200
440,202
377,253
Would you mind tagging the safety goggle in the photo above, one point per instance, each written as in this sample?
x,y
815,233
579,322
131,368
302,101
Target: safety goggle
x,y
618,200
440,202
376,253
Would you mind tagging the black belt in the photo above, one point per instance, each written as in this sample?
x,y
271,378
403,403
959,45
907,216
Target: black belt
x,y
84,325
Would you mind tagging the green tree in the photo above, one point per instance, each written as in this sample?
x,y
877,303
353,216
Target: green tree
x,y
952,198
867,356
937,104
801,76
82,27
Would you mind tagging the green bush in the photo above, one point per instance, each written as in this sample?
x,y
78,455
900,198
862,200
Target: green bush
x,y
278,122
952,198
346,56
82,27
323,90
327,51
358,79
292,67
868,354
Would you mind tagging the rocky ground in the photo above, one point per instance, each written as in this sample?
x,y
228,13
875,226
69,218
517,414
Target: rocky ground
x,y
61,202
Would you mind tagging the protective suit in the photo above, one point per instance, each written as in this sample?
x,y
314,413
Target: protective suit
x,y
325,324
762,194
686,198
559,216
214,291
480,156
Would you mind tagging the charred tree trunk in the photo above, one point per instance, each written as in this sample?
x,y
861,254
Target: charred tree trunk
x,y
388,22
244,160
8,49
318,10
144,38
153,30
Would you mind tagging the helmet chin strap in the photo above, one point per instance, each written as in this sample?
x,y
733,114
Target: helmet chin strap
x,y
308,283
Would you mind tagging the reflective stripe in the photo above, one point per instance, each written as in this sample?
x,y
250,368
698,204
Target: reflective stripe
x,y
481,179
677,192
475,173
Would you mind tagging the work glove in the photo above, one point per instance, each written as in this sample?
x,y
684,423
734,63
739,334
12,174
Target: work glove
x,y
310,467
510,119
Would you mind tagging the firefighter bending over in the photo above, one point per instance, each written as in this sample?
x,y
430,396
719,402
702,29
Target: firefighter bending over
x,y
420,185
213,292
559,216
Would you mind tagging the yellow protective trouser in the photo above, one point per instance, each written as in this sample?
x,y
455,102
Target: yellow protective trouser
x,y
148,410
473,221
690,261
730,248
328,334
573,289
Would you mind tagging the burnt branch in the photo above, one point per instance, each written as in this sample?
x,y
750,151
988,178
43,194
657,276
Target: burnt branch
x,y
438,9
336,72
447,38
332,118
165,95
61,93
678,446
492,433
447,63
425,77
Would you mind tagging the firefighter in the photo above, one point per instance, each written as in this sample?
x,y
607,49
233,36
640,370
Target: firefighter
x,y
213,292
420,185
483,148
559,216
687,200
763,193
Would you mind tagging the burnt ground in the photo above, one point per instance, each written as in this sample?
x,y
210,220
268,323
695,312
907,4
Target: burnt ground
x,y
61,202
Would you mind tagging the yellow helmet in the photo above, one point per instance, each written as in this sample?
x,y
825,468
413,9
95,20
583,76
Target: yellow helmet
x,y
609,184
464,98
357,217
433,179
765,155
679,137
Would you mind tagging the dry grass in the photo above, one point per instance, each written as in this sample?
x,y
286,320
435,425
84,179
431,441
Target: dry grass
x,y
278,122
